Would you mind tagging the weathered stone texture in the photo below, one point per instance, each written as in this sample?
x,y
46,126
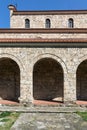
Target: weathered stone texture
x,y
27,57
57,21
43,35
44,73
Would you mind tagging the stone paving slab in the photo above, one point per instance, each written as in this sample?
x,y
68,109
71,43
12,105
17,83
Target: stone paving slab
x,y
49,121
49,109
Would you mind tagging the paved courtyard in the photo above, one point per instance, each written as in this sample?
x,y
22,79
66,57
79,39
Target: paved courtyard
x,y
49,121
48,116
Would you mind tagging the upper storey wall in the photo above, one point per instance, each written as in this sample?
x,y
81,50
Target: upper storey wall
x,y
57,21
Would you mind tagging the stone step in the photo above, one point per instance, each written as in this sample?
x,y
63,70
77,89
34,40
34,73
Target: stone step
x,y
49,121
48,109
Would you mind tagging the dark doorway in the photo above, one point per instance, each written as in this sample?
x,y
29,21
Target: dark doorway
x,y
82,81
48,81
9,79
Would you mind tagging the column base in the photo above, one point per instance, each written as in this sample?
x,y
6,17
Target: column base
x,y
70,103
25,102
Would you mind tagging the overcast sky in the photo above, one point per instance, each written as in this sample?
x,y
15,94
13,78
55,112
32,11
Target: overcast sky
x,y
38,5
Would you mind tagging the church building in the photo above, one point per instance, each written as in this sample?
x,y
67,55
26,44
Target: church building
x,y
43,56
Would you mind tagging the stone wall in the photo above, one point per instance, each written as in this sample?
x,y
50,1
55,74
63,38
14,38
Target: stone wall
x,y
43,73
57,21
43,35
26,58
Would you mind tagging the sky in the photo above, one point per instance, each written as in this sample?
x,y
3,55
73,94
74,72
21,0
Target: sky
x,y
38,5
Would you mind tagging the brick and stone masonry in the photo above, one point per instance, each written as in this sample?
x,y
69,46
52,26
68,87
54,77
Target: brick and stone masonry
x,y
44,64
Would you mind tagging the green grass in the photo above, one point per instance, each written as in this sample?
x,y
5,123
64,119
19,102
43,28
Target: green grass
x,y
7,119
83,115
4,114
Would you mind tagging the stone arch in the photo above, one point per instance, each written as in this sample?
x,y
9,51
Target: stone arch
x,y
81,79
47,55
9,79
21,67
60,65
70,23
17,60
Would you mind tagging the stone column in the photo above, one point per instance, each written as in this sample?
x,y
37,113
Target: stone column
x,y
69,87
25,96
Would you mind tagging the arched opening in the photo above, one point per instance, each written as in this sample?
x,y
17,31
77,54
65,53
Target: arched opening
x,y
48,81
9,79
27,23
48,23
81,87
70,23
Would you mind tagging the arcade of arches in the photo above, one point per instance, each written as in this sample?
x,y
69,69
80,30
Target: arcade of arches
x,y
48,80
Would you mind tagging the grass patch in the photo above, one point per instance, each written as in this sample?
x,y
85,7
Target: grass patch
x,y
83,115
7,119
4,114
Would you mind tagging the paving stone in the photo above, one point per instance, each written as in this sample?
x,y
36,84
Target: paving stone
x,y
47,118
49,121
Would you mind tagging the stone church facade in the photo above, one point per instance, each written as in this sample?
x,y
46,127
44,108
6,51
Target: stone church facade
x,y
43,56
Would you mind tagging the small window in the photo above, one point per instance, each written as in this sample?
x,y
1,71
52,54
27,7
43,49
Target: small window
x,y
48,23
27,23
70,23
